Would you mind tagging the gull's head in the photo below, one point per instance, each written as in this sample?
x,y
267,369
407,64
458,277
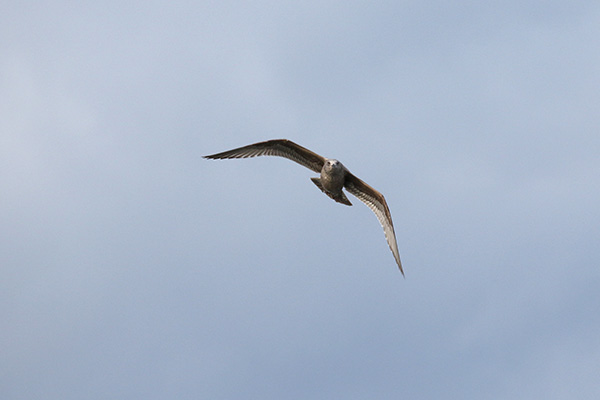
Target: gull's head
x,y
332,165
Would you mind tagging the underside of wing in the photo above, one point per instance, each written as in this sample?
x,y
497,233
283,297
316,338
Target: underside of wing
x,y
277,147
376,202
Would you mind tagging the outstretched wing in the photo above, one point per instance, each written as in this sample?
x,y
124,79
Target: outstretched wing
x,y
376,202
277,147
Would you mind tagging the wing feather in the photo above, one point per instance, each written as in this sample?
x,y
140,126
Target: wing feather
x,y
277,147
376,202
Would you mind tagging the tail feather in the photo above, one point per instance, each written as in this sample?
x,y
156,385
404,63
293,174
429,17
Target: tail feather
x,y
339,197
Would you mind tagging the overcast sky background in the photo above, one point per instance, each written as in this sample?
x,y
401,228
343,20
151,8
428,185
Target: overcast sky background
x,y
132,268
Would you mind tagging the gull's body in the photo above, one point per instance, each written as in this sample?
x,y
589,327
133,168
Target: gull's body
x,y
334,177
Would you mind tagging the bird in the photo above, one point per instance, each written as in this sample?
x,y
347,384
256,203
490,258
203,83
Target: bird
x,y
334,177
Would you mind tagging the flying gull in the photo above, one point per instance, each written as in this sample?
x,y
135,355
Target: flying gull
x,y
334,177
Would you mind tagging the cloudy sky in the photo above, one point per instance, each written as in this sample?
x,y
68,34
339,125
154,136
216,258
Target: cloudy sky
x,y
131,268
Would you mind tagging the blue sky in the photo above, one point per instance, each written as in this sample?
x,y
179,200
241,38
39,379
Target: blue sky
x,y
133,268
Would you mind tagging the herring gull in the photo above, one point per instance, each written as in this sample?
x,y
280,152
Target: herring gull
x,y
334,177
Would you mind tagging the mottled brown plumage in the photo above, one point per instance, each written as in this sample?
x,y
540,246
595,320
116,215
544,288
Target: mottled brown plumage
x,y
334,177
